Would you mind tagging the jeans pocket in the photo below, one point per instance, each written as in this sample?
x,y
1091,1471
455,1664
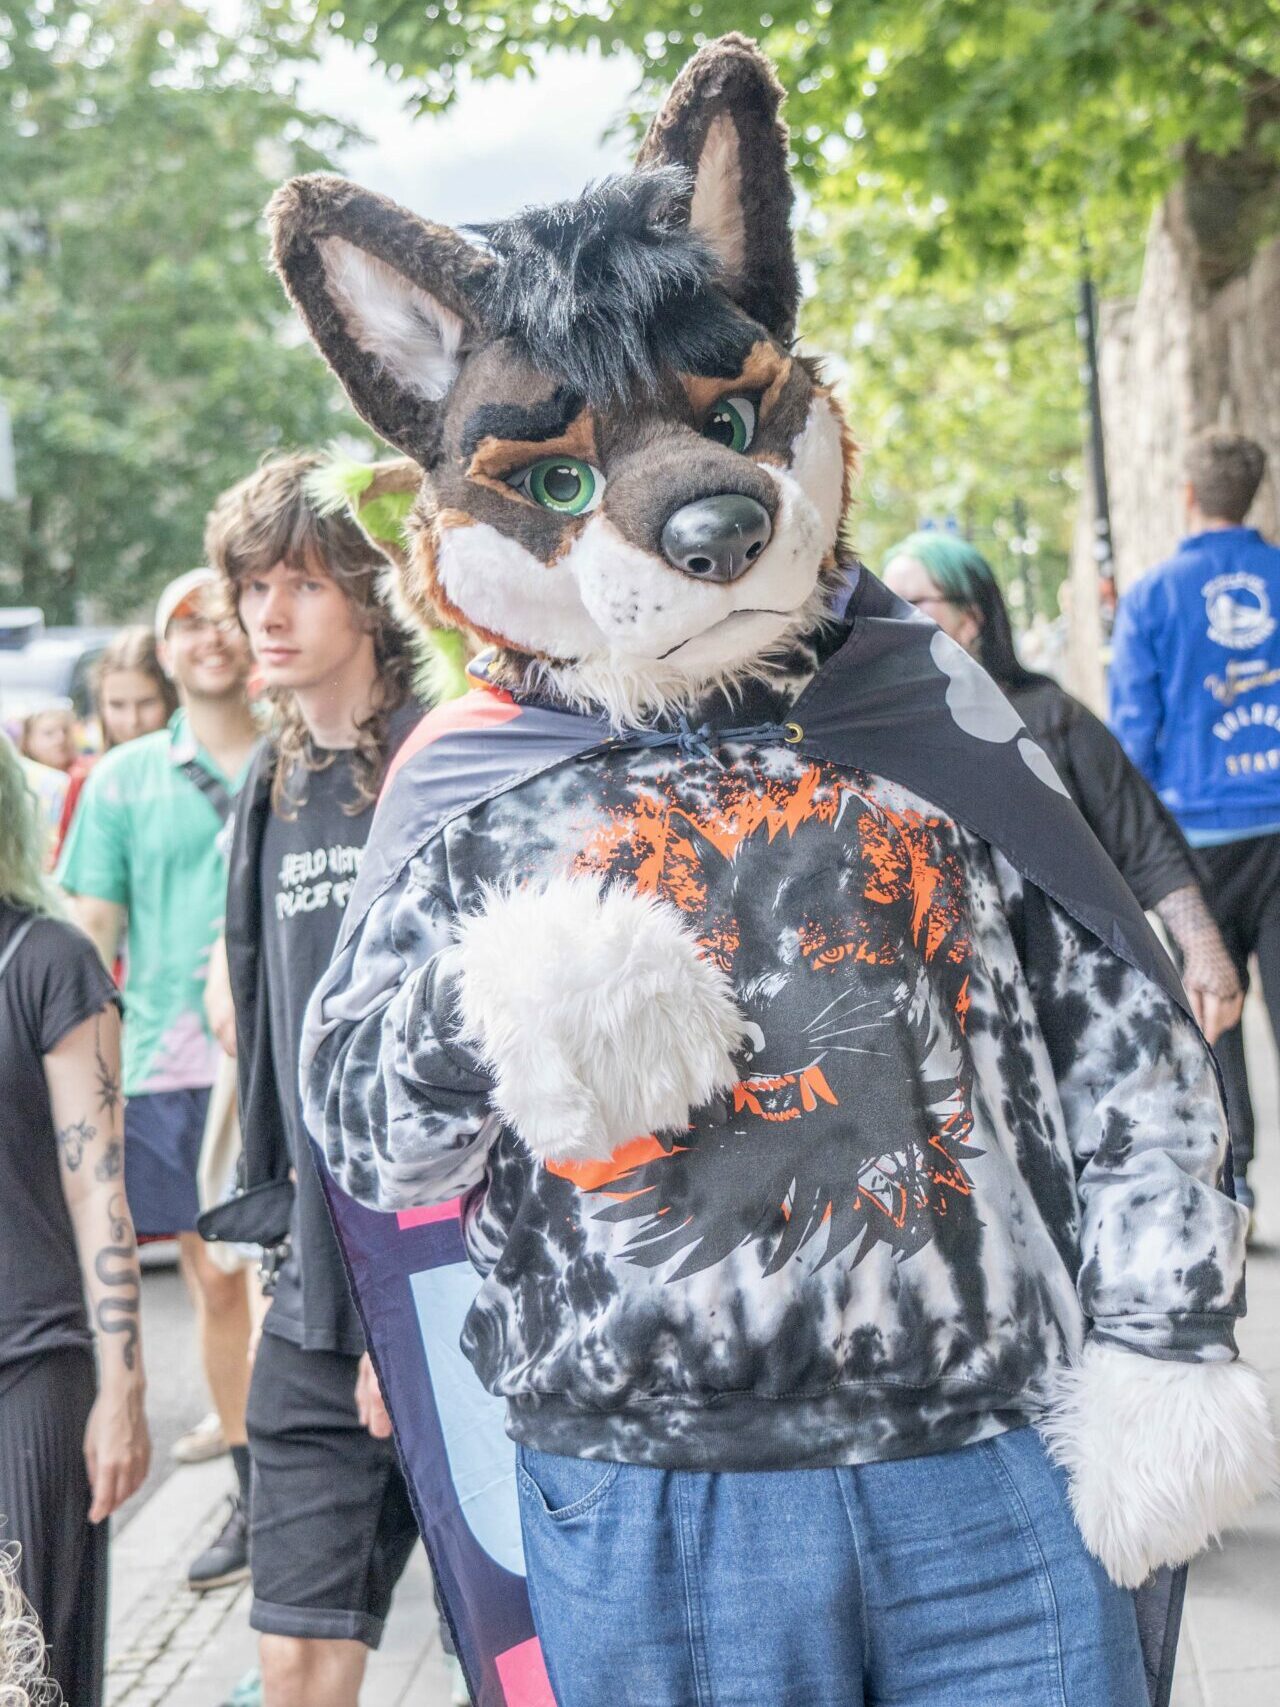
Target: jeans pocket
x,y
559,1487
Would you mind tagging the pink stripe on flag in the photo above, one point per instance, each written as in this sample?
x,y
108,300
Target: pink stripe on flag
x,y
423,1217
523,1676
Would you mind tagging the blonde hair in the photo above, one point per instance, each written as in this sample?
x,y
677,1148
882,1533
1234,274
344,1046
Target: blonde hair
x,y
65,709
271,518
22,842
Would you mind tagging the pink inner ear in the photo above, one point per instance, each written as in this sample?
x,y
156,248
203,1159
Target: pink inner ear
x,y
716,210
410,332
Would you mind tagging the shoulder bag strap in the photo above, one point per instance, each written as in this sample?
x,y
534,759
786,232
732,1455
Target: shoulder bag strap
x,y
208,784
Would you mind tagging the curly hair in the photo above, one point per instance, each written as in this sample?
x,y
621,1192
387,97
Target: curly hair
x,y
270,518
22,841
23,1679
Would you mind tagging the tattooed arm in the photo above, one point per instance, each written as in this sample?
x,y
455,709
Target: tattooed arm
x,y
1211,980
83,1075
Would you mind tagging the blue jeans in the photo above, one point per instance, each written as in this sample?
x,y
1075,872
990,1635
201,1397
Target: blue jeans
x,y
956,1580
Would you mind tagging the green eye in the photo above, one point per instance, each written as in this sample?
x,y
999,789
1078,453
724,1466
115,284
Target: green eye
x,y
732,423
563,484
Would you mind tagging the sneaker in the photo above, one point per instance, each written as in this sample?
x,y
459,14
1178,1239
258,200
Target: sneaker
x,y
459,1694
248,1692
226,1558
201,1443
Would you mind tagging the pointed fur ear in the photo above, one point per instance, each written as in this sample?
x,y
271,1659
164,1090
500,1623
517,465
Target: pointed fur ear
x,y
378,497
389,299
721,123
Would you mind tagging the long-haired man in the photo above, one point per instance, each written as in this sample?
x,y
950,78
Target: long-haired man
x,y
332,1526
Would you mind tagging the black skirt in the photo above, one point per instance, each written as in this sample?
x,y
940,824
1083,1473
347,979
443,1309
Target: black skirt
x,y
45,1402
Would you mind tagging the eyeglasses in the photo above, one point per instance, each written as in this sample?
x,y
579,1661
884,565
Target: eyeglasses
x,y
193,625
929,599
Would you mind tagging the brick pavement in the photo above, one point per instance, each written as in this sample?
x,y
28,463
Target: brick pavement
x,y
170,1648
1230,1649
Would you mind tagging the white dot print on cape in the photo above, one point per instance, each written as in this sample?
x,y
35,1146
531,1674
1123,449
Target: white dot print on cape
x,y
981,710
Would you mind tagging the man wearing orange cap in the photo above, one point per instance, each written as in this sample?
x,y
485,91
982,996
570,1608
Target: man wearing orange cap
x,y
142,864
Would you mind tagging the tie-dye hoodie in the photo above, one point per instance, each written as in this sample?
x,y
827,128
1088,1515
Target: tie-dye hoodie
x,y
965,1134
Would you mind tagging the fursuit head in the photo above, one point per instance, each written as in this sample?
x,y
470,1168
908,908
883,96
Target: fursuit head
x,y
631,487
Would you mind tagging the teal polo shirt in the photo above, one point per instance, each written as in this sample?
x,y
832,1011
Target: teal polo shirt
x,y
145,837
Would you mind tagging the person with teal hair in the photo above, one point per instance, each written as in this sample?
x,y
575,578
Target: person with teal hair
x,y
947,579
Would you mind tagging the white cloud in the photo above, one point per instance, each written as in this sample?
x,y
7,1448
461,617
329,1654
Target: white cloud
x,y
502,146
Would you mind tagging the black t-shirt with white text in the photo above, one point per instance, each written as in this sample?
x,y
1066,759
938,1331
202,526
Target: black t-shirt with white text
x,y
53,983
308,867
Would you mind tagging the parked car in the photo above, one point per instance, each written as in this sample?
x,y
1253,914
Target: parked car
x,y
40,666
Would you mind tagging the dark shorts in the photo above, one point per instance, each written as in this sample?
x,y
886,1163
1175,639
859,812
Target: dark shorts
x,y
163,1132
1242,890
331,1525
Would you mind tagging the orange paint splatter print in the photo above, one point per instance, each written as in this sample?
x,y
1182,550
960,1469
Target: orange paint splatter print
x,y
843,924
651,838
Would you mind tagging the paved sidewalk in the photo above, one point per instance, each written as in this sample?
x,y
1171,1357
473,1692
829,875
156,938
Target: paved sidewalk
x,y
170,1648
1230,1649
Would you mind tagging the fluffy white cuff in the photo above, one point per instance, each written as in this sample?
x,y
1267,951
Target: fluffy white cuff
x,y
1162,1456
595,1012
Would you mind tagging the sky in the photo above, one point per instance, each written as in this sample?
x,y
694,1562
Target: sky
x,y
502,146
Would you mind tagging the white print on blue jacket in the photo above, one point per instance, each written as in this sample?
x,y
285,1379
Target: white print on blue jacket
x,y
1195,682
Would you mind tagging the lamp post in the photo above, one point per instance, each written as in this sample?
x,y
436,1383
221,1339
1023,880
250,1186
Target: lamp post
x,y
1087,326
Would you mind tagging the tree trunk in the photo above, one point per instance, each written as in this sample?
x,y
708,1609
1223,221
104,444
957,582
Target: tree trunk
x,y
1192,350
31,563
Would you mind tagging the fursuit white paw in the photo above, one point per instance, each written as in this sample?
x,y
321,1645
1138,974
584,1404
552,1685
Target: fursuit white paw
x,y
1162,1456
596,1013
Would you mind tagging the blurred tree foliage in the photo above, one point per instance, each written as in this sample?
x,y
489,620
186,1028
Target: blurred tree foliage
x,y
146,353
954,156
965,395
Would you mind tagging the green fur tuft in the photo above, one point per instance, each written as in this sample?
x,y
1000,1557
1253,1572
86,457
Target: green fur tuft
x,y
339,484
383,518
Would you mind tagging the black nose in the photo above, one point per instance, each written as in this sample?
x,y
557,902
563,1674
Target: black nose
x,y
717,539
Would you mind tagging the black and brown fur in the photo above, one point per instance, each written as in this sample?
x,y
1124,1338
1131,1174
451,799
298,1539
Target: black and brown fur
x,y
605,329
